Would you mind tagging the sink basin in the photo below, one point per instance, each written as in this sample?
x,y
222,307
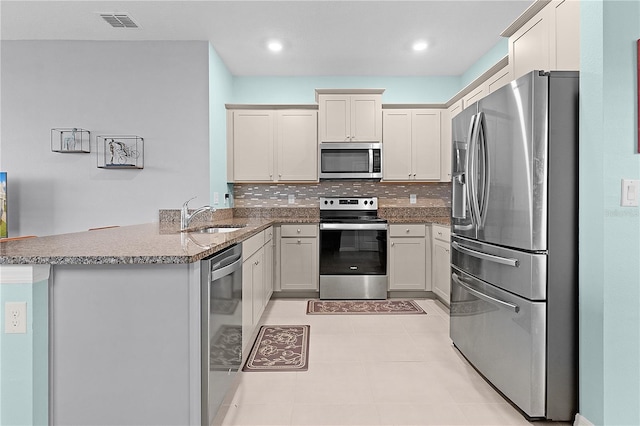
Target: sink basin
x,y
216,230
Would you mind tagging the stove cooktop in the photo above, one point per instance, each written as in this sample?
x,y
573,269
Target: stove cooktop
x,y
349,210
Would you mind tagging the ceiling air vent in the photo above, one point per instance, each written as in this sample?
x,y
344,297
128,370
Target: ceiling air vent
x,y
119,20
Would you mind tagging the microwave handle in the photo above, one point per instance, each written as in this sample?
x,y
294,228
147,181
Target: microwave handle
x,y
370,160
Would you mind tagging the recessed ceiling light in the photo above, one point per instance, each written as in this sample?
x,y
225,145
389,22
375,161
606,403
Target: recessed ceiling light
x,y
274,46
419,46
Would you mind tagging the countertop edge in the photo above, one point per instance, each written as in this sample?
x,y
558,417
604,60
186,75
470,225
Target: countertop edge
x,y
249,229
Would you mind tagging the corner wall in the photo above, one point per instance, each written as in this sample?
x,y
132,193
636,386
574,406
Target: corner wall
x,y
220,85
157,90
609,234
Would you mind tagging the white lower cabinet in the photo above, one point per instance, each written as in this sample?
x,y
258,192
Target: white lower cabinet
x,y
257,281
409,264
441,262
299,257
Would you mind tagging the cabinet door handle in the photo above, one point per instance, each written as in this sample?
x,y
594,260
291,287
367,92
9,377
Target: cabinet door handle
x,y
407,231
393,244
298,230
299,241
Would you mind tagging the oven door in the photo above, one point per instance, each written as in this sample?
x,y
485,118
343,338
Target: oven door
x,y
353,261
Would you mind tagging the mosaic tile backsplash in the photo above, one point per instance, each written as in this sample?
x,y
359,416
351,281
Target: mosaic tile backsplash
x,y
306,195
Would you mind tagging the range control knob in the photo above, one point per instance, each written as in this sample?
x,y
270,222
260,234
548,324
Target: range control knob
x,y
326,202
365,202
331,202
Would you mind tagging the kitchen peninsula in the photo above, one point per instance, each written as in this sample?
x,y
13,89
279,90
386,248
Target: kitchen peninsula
x,y
124,311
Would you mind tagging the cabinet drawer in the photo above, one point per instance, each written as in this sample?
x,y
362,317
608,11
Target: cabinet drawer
x,y
252,245
442,233
299,230
268,234
407,230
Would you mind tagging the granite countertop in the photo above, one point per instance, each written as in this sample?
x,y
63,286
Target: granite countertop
x,y
163,243
136,244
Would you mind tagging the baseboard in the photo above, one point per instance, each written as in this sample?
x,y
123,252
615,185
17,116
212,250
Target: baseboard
x,y
582,421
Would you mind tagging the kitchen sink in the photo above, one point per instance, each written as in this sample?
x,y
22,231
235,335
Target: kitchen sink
x,y
216,230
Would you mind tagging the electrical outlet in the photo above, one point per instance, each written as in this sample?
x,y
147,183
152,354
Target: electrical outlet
x,y
15,317
216,198
413,198
292,199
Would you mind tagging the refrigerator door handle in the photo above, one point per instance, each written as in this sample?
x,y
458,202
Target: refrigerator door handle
x,y
470,182
485,297
472,171
484,256
484,178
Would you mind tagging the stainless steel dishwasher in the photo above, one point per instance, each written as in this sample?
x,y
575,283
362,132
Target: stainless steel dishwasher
x,y
221,296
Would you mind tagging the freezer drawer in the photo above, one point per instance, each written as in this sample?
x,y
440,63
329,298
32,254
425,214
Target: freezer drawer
x,y
504,337
518,272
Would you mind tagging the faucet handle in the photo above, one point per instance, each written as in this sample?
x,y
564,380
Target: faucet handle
x,y
186,203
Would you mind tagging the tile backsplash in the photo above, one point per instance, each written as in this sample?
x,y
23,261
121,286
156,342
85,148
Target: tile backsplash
x,y
434,194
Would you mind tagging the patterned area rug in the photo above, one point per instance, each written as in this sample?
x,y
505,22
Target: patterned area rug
x,y
280,348
350,307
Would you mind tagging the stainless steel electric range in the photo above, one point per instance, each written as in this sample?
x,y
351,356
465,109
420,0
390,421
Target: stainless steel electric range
x,y
353,249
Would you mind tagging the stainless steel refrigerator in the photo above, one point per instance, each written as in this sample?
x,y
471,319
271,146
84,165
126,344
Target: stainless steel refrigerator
x,y
514,246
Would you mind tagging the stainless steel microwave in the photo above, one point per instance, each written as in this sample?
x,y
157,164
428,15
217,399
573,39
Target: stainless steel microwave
x,y
353,160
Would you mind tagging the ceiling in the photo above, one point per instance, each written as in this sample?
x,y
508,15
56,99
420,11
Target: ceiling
x,y
320,37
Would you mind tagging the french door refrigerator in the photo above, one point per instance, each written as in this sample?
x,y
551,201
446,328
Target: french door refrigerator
x,y
514,253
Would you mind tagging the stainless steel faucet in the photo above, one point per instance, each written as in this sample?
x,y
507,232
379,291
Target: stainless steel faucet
x,y
185,217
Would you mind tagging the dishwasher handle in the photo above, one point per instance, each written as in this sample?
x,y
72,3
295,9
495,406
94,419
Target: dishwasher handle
x,y
225,270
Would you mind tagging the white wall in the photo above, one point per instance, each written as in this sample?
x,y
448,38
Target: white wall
x,y
157,90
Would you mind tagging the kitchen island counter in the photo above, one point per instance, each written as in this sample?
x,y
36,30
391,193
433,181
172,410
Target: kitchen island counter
x,y
152,243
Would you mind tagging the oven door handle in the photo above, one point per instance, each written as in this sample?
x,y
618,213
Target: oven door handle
x,y
353,226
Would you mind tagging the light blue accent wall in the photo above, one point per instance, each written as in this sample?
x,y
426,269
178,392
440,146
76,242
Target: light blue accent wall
x,y
301,90
609,233
24,358
489,59
220,93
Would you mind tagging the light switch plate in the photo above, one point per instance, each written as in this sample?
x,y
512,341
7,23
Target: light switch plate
x,y
630,193
413,198
292,199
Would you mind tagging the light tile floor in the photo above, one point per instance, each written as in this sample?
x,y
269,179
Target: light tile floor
x,y
369,370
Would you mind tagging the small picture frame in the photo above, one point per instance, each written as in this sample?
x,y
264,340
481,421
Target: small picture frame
x,y
120,152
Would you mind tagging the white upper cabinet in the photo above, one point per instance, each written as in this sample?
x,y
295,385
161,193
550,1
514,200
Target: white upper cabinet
x,y
474,96
425,133
497,80
253,137
297,144
412,141
567,35
455,109
345,117
272,145
397,145
550,40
